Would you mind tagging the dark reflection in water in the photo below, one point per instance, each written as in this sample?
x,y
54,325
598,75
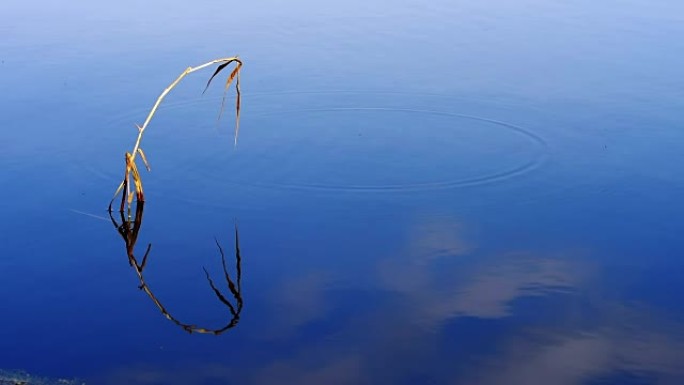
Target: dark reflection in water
x,y
129,229
439,310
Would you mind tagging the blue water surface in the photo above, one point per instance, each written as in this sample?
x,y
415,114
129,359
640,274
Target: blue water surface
x,y
443,192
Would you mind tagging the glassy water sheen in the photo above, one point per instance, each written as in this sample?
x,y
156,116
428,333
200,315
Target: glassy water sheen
x,y
442,192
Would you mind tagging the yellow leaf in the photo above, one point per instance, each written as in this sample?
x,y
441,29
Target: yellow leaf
x,y
144,158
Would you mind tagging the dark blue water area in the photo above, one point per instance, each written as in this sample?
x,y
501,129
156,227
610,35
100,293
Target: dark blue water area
x,y
424,193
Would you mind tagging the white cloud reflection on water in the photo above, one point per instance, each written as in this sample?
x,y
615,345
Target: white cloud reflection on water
x,y
484,290
630,344
401,335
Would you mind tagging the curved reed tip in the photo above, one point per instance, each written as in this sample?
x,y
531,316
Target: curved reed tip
x,y
131,167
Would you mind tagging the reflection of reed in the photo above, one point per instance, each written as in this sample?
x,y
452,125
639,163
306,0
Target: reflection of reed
x,y
129,229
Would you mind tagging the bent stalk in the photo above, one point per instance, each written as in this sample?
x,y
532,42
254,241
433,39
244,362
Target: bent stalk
x,y
131,167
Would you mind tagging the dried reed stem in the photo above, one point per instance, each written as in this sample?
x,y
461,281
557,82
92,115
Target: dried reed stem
x,y
131,167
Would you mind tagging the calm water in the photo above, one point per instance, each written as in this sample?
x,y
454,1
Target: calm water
x,y
444,192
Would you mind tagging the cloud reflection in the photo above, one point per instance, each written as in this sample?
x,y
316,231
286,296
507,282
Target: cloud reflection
x,y
448,315
482,290
572,358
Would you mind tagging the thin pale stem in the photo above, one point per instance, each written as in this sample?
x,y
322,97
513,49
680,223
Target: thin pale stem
x,y
168,89
131,167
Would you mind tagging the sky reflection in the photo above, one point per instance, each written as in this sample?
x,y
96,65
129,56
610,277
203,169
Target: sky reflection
x,y
516,318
